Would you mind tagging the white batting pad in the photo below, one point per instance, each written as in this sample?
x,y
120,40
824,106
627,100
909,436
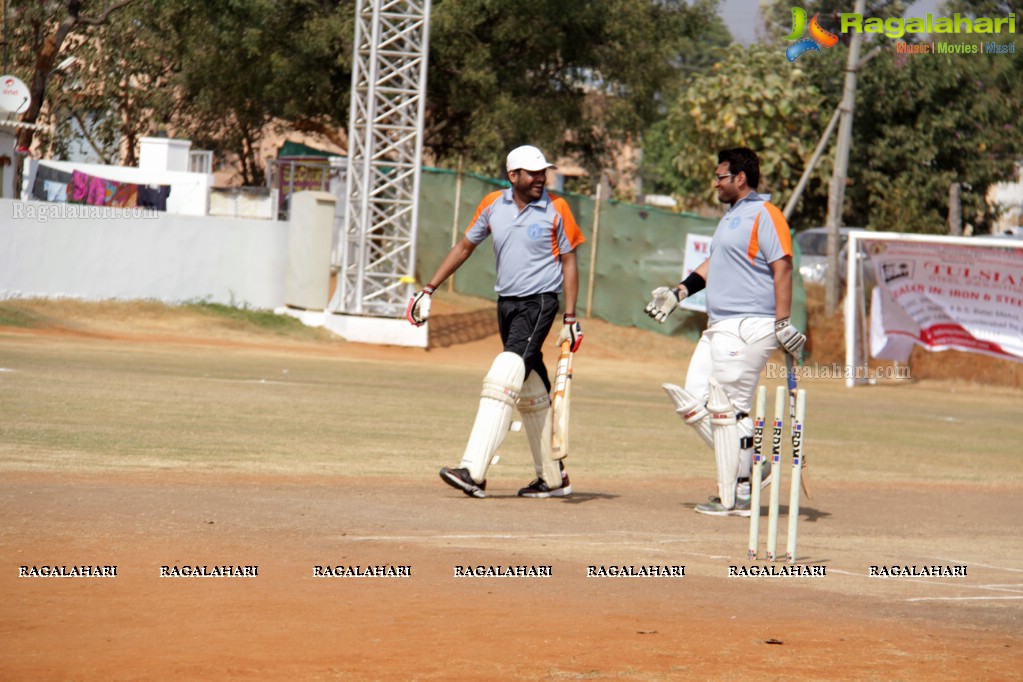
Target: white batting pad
x,y
726,441
535,408
691,411
497,399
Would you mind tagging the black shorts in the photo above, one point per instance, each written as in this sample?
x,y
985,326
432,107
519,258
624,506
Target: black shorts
x,y
525,322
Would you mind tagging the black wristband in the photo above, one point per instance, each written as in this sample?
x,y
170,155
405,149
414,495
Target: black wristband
x,y
693,283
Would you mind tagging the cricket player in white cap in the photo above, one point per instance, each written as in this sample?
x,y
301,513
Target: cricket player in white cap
x,y
535,239
748,278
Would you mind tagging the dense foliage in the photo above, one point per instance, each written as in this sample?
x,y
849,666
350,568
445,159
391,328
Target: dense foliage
x,y
921,123
228,70
585,78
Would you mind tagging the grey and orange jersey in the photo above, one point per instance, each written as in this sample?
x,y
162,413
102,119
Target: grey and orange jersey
x,y
527,244
740,282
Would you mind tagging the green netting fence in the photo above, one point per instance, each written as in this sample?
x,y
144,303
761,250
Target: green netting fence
x,y
637,248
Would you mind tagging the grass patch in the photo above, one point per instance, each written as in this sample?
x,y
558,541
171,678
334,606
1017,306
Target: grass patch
x,y
244,318
12,315
195,318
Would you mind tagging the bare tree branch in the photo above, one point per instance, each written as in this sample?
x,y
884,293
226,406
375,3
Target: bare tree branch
x,y
46,59
105,17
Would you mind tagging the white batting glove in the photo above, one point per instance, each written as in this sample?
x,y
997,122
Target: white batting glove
x,y
664,302
571,332
789,338
418,310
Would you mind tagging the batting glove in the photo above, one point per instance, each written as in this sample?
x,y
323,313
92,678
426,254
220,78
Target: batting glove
x,y
664,302
571,332
789,338
418,310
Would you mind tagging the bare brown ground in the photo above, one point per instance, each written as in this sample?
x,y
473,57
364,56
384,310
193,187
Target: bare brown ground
x,y
287,624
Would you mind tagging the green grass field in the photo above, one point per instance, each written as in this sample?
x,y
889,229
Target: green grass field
x,y
116,406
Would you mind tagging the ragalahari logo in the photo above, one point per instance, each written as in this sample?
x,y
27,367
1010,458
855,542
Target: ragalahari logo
x,y
819,36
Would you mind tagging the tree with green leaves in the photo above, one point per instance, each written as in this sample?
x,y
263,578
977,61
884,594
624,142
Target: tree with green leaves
x,y
925,123
40,32
697,56
576,78
252,63
983,8
583,81
218,73
922,123
752,98
119,83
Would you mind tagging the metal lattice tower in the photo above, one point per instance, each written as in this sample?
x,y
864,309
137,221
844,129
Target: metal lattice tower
x,y
377,245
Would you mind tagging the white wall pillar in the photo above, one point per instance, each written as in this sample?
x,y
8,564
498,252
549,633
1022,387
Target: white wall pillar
x,y
164,154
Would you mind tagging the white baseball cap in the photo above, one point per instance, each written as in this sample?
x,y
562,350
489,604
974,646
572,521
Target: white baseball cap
x,y
527,157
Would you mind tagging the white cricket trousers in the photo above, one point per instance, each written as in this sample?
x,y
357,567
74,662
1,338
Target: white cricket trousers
x,y
733,352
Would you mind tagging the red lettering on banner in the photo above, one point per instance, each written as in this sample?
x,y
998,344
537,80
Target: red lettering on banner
x,y
957,296
955,335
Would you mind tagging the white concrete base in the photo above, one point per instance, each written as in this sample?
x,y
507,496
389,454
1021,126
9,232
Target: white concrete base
x,y
310,318
360,329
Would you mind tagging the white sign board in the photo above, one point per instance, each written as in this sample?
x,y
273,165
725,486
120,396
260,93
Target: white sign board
x,y
14,95
697,251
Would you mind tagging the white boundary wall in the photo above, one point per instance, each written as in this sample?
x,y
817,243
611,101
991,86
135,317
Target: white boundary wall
x,y
96,253
854,286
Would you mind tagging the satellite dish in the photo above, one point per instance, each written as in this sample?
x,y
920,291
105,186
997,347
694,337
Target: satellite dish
x,y
14,95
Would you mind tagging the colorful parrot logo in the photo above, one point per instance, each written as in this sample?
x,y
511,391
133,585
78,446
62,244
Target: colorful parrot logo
x,y
819,36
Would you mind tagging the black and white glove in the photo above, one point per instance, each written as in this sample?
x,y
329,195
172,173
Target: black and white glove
x,y
789,338
571,332
418,310
664,302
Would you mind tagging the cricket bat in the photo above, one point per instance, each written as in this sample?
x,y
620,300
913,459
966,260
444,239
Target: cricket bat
x,y
560,402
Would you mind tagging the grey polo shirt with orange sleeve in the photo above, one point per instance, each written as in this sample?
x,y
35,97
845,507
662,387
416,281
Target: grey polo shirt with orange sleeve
x,y
527,244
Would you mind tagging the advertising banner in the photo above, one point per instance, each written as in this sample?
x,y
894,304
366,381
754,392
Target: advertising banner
x,y
948,296
697,251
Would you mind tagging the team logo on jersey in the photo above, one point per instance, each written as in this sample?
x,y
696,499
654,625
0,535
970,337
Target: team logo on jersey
x,y
535,231
734,223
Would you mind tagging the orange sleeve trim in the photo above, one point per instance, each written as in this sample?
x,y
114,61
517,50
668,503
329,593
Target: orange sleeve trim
x,y
483,205
781,227
572,232
754,241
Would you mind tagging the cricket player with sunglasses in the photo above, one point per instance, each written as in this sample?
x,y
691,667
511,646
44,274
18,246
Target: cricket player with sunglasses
x,y
748,279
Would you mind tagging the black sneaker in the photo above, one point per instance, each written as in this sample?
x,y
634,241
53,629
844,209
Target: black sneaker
x,y
539,487
460,478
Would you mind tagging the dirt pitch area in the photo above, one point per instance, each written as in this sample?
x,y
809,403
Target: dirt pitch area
x,y
142,437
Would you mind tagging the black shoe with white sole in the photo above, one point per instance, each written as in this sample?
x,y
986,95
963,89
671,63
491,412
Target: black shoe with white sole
x,y
539,488
460,478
